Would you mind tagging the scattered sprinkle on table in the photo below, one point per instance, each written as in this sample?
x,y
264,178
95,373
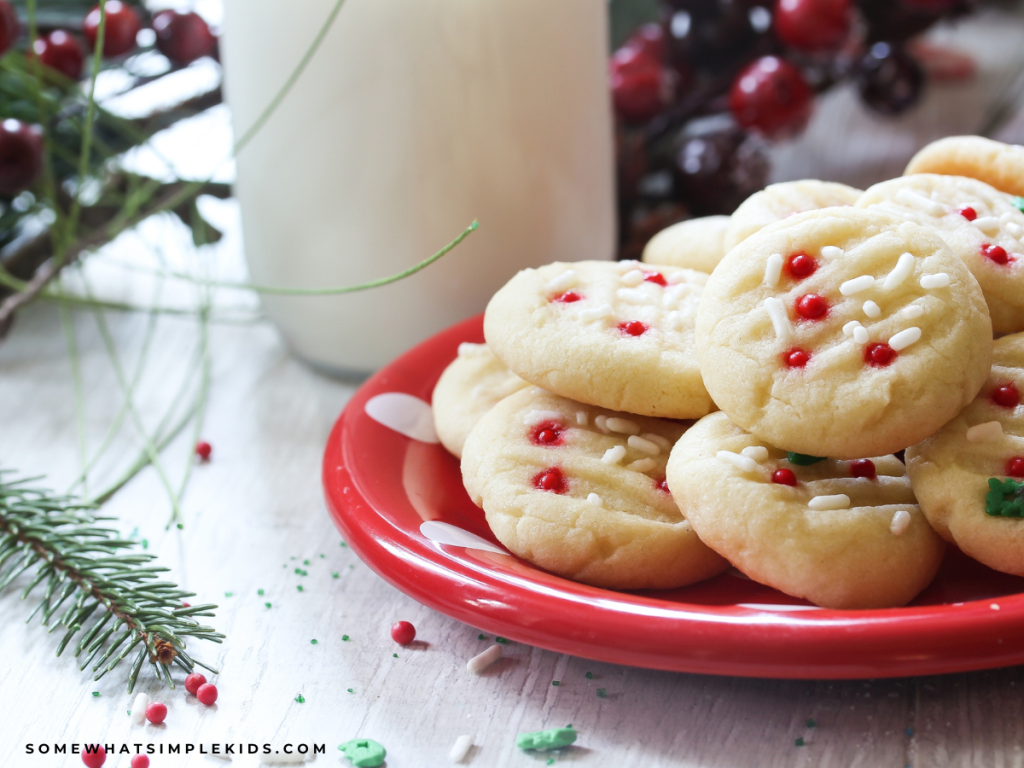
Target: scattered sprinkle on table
x,y
259,591
138,710
812,723
484,659
395,655
460,749
602,693
481,637
799,742
556,683
351,690
301,572
299,587
145,543
95,693
345,638
313,641
335,574
364,753
551,761
322,555
403,632
180,526
501,640
555,738
301,699
909,732
267,604
589,675
229,594
305,562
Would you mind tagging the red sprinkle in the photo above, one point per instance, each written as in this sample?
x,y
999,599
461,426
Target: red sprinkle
x,y
863,468
800,265
156,712
1006,395
193,681
812,306
203,450
796,358
968,213
996,253
661,484
207,694
551,480
547,433
879,355
655,277
633,328
567,298
784,477
94,755
403,632
140,761
1015,466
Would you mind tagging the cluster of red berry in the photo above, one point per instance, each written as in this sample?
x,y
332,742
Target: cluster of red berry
x,y
699,92
181,37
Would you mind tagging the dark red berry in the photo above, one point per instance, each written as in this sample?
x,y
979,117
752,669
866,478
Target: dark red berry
x,y
21,155
156,712
9,26
140,761
968,213
784,477
633,328
800,265
203,450
119,32
771,96
182,37
996,253
661,484
193,681
716,169
812,25
879,355
1006,395
889,79
548,433
567,298
639,85
863,468
796,358
655,277
61,52
1015,466
207,694
403,632
710,35
812,306
94,755
551,480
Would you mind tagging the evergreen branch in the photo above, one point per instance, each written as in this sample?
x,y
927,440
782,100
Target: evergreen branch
x,y
74,556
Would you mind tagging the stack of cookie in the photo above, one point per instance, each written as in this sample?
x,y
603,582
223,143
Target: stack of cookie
x,y
812,335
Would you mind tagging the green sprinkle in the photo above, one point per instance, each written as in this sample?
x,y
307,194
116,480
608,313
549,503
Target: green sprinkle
x,y
301,699
556,683
1018,202
312,642
602,693
305,562
229,594
351,690
135,532
1004,498
129,713
556,738
481,637
803,460
551,761
259,591
299,587
95,693
301,572
344,544
145,543
589,675
351,566
800,742
335,574
267,604
812,723
180,526
292,557
501,640
345,638
323,555
395,655
364,753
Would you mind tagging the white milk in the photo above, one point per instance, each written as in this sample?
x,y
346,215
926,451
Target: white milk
x,y
414,118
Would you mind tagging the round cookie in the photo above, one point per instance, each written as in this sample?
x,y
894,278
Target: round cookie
x,y
842,534
779,201
968,476
580,492
468,388
997,164
978,222
618,335
693,244
843,332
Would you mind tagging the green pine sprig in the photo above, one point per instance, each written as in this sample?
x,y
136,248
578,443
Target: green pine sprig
x,y
111,598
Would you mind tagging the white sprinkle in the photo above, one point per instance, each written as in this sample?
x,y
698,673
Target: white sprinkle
x,y
614,455
642,465
856,285
900,521
838,501
742,463
994,606
601,422
563,282
691,276
633,296
987,224
593,498
912,199
980,433
645,446
139,708
587,315
780,319
1015,229
831,252
460,749
904,338
773,270
581,418
482,661
624,426
871,309
532,418
903,269
860,334
466,349
940,280
850,326
674,320
912,311
756,452
633,277
665,443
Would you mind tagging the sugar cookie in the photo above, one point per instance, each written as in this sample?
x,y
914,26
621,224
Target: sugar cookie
x,y
1000,165
693,244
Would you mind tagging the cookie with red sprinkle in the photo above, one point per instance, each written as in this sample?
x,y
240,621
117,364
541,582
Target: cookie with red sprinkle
x,y
580,491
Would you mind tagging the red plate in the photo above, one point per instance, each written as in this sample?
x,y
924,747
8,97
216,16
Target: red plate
x,y
382,486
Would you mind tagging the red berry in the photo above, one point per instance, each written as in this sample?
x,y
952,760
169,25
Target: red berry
x,y
968,213
95,755
812,25
61,52
1006,395
649,40
784,477
140,761
996,253
639,84
547,433
183,37
655,277
403,632
796,358
203,450
1015,466
207,694
567,298
21,155
119,32
771,96
9,26
633,328
551,480
156,712
193,681
812,306
186,605
879,355
661,484
800,265
863,468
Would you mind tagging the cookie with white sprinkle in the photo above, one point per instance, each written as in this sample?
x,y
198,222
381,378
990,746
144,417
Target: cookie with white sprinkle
x,y
618,335
842,534
779,201
997,164
969,476
980,224
694,244
843,332
472,384
580,491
